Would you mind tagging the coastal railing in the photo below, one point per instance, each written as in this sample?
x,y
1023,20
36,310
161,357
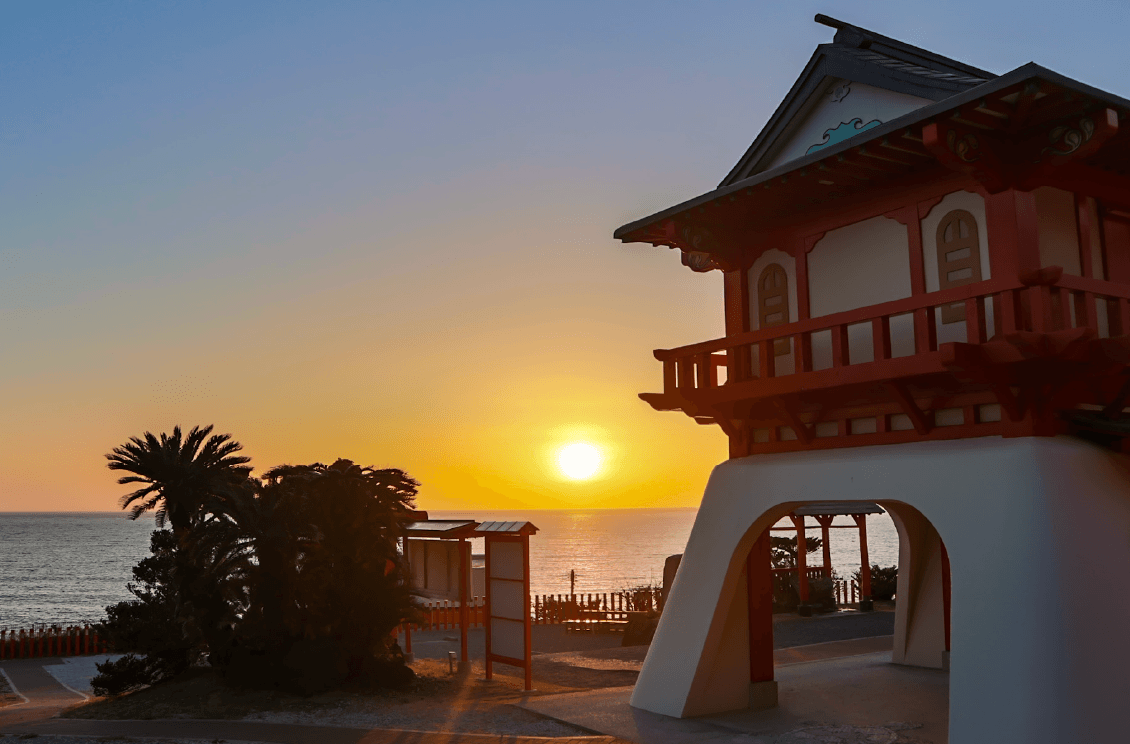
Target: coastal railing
x,y
557,609
545,609
72,640
846,591
845,588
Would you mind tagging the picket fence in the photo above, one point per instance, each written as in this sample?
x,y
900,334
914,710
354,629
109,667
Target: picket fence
x,y
72,640
545,609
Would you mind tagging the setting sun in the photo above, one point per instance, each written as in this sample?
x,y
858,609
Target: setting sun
x,y
579,460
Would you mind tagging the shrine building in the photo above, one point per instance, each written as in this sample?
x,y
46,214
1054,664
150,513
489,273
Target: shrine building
x,y
926,273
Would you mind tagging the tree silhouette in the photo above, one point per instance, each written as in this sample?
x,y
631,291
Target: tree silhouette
x,y
291,580
178,476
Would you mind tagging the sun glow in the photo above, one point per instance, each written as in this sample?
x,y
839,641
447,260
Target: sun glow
x,y
579,460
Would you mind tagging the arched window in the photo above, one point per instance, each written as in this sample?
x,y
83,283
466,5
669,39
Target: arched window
x,y
959,258
773,303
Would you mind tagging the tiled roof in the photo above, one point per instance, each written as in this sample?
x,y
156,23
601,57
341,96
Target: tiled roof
x,y
873,57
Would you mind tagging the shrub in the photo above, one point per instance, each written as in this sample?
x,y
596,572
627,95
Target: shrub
x,y
146,625
884,581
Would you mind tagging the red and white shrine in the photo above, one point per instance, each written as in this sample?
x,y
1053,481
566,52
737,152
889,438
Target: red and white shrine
x,y
927,300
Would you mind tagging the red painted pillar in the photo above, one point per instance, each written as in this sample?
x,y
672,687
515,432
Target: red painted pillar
x,y
760,585
825,524
801,559
865,568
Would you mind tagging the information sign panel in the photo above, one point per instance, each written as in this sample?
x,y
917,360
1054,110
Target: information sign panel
x,y
508,637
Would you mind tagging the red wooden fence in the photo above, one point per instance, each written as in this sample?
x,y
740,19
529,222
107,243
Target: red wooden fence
x,y
546,609
73,640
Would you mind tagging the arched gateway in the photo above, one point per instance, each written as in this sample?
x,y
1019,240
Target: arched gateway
x,y
968,374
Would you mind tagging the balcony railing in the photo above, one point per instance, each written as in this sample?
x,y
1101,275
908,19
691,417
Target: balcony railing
x,y
850,341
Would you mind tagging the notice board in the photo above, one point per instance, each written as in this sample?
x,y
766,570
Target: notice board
x,y
508,637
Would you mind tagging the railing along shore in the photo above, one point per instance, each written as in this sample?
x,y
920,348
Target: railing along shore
x,y
546,609
556,609
54,640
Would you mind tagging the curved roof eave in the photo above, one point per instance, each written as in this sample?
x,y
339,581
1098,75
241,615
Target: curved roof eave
x,y
1030,71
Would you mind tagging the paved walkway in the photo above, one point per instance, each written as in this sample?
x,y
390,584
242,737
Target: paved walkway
x,y
46,696
271,733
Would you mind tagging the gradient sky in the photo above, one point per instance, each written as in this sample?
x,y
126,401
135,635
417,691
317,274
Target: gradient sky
x,y
383,231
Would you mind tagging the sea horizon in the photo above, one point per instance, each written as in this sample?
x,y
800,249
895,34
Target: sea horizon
x,y
65,567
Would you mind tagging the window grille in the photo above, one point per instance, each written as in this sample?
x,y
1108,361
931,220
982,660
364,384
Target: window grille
x,y
773,303
959,258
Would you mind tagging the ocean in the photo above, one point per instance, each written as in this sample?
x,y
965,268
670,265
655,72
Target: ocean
x,y
64,568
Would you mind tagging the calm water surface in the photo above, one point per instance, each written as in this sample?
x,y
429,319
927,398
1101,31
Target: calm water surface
x,y
65,568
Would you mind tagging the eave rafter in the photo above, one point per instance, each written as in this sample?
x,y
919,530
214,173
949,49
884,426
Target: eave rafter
x,y
1000,163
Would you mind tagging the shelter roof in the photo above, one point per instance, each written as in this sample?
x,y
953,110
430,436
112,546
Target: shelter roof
x,y
506,528
444,528
837,508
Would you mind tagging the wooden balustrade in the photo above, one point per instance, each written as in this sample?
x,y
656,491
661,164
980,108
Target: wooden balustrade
x,y
1068,302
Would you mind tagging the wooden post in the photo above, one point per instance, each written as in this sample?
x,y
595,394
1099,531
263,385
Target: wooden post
x,y
801,562
526,614
464,596
759,601
826,522
760,585
865,570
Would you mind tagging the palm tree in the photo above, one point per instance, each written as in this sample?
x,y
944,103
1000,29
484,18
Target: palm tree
x,y
178,476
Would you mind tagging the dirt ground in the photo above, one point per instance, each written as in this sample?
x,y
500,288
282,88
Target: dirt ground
x,y
439,701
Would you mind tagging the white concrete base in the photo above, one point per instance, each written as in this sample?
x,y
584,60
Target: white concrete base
x,y
762,695
1036,531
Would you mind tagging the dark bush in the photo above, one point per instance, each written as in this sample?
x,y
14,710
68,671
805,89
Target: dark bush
x,y
884,581
147,626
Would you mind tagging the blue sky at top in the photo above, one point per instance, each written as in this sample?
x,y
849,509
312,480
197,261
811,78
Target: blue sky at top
x,y
246,201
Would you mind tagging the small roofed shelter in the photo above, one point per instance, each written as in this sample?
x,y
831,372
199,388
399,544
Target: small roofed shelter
x,y
426,550
825,513
439,555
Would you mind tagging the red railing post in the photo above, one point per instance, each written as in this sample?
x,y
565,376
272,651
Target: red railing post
x,y
841,355
669,378
881,337
705,365
975,330
767,357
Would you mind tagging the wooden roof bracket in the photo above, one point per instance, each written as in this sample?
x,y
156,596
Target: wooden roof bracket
x,y
969,151
803,431
910,407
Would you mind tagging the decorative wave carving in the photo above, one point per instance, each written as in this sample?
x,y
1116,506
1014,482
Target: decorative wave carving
x,y
1066,140
842,132
964,146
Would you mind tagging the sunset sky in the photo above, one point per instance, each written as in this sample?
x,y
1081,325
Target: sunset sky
x,y
383,231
